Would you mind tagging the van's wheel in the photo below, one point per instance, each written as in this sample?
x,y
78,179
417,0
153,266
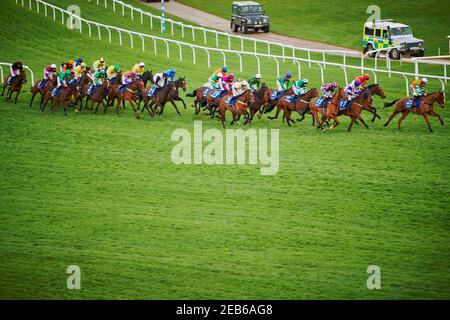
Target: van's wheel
x,y
394,54
370,48
266,29
244,29
234,27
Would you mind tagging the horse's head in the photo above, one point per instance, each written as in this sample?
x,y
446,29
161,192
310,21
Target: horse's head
x,y
181,83
441,99
23,77
250,99
375,89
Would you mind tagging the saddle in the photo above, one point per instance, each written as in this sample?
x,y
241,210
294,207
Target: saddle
x,y
292,99
414,104
321,102
345,104
11,80
122,88
56,91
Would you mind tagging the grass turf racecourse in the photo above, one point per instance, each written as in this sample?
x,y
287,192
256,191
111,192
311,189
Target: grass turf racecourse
x,y
342,25
101,192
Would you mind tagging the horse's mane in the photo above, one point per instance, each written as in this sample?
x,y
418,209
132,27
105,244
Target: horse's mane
x,y
372,85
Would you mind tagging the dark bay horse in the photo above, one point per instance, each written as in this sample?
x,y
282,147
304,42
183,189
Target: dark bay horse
x,y
425,108
273,103
262,97
64,98
168,93
15,86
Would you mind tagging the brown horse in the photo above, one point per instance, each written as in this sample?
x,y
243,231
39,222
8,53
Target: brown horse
x,y
262,97
64,97
273,103
84,85
15,86
355,111
99,96
199,101
239,108
425,108
364,99
49,85
315,110
130,95
168,93
212,104
299,106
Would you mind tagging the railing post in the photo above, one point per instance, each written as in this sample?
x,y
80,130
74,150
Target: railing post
x,y
406,85
278,66
240,61
259,64
224,58
208,57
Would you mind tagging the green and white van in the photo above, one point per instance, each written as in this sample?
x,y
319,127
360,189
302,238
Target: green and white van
x,y
387,33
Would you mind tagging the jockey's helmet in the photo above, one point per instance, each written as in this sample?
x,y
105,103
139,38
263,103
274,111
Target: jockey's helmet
x,y
173,71
116,67
231,77
53,66
357,83
334,84
102,60
288,75
258,76
305,81
71,62
224,69
425,80
366,76
141,64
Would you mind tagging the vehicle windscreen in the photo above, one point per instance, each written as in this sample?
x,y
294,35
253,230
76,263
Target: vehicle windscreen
x,y
402,31
252,10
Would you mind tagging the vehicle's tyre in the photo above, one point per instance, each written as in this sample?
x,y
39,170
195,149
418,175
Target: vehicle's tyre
x,y
244,29
370,48
266,29
234,27
394,54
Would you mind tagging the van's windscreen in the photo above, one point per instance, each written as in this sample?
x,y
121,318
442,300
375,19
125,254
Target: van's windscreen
x,y
252,9
401,31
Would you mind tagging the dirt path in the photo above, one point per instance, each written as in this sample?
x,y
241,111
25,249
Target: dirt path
x,y
211,21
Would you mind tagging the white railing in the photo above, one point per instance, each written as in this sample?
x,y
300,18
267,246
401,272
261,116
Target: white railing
x,y
321,64
139,12
9,64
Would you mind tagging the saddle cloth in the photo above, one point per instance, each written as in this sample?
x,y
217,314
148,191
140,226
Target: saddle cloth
x,y
345,104
152,91
410,103
206,91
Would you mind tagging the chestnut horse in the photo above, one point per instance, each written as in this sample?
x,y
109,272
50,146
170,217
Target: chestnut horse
x,y
49,85
64,97
130,95
273,103
425,108
238,108
15,86
299,105
199,101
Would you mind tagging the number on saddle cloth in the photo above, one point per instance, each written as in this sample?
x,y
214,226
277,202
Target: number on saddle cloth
x,y
152,92
73,81
206,91
217,94
345,104
321,102
292,99
56,91
92,90
276,95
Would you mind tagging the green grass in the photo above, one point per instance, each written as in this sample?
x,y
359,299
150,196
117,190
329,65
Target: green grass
x,y
101,192
342,24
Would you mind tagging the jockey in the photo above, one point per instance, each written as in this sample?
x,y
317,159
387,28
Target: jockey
x,y
352,90
112,72
49,72
225,83
213,82
139,69
418,87
171,74
80,70
255,82
16,68
239,87
299,87
127,78
99,64
63,80
78,62
160,79
67,66
97,81
222,70
284,82
327,89
363,80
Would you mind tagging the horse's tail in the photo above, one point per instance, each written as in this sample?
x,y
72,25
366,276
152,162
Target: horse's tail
x,y
388,104
193,94
269,108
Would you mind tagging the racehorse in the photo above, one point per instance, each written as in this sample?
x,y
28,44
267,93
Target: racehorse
x,y
199,101
298,106
99,95
273,103
146,77
84,85
130,95
165,94
314,110
425,108
375,89
15,86
64,97
49,85
262,97
238,108
364,99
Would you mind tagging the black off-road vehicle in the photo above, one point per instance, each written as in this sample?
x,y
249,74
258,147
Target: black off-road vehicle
x,y
248,15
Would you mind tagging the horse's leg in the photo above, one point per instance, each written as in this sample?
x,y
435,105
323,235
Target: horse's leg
x,y
351,124
17,95
182,101
222,116
375,114
33,94
435,114
4,88
276,114
391,117
404,114
363,122
175,106
118,104
98,104
425,117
